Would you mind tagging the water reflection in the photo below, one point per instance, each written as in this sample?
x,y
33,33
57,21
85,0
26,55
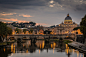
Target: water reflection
x,y
40,47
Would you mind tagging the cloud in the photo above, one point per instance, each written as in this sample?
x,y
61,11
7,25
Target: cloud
x,y
51,1
41,24
25,15
16,20
5,14
72,4
32,4
13,20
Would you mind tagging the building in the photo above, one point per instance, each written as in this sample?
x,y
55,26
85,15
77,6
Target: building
x,y
67,26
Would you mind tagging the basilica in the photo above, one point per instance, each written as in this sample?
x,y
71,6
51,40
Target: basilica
x,y
67,26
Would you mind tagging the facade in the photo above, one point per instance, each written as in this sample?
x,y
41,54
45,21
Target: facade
x,y
67,26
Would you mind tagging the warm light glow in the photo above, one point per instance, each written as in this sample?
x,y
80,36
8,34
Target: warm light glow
x,y
13,32
53,45
66,46
41,31
4,49
53,50
83,55
73,51
27,51
39,51
11,47
67,50
14,49
42,45
77,53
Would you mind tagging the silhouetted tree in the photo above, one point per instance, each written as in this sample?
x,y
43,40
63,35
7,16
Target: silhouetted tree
x,y
32,23
3,30
31,30
83,26
24,30
17,30
9,31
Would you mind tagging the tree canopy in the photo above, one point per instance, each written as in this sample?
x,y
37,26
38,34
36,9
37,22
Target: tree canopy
x,y
83,26
32,23
3,29
9,31
76,28
17,30
31,30
24,30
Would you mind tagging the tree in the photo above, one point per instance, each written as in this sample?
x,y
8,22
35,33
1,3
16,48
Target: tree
x,y
17,30
83,26
9,31
3,30
76,28
24,30
31,30
32,23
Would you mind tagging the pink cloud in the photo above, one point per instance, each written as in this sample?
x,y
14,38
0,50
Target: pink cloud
x,y
12,19
5,14
25,15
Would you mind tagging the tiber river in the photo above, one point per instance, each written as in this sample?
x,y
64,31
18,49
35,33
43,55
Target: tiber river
x,y
39,49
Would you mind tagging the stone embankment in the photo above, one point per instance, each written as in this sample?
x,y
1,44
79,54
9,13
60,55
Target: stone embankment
x,y
76,45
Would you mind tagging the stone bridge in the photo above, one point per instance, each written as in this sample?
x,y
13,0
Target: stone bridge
x,y
31,36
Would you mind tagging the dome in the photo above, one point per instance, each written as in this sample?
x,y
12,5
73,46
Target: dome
x,y
68,17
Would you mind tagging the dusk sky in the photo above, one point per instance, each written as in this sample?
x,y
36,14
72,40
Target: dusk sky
x,y
43,12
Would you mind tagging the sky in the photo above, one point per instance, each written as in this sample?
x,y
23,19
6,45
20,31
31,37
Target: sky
x,y
42,12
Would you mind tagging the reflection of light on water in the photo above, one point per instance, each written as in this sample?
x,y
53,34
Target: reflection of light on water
x,y
53,50
80,55
4,49
53,45
11,54
67,50
42,45
83,55
77,53
27,51
12,48
66,46
73,51
39,51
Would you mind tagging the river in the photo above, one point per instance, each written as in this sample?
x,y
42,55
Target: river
x,y
39,49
